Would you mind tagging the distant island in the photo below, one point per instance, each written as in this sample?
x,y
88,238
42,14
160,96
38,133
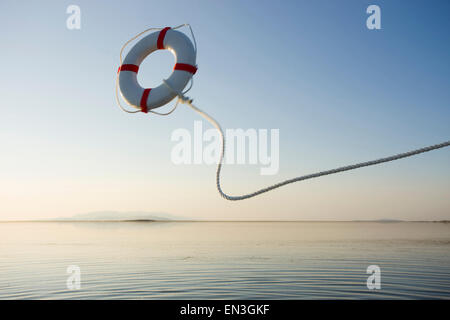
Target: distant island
x,y
119,216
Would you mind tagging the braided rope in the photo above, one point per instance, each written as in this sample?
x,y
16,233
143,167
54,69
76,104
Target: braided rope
x,y
304,177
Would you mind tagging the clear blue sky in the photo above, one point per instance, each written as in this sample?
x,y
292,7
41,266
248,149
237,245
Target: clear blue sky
x,y
338,92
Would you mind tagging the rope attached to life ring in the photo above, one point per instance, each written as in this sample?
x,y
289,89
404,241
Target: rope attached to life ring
x,y
182,98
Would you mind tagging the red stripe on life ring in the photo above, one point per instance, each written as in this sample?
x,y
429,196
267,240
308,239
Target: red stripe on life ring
x,y
128,67
144,100
162,35
185,67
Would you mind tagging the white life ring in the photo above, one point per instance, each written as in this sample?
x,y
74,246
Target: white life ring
x,y
185,67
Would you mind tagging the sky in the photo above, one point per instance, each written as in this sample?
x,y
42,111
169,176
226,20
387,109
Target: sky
x,y
338,92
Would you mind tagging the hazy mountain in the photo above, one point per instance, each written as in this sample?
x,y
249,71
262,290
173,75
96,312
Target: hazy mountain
x,y
121,216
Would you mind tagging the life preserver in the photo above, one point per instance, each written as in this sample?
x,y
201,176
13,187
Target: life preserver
x,y
150,98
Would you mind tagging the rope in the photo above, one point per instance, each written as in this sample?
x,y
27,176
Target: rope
x,y
183,99
186,100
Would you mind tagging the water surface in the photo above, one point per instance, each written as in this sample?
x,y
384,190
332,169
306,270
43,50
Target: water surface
x,y
224,260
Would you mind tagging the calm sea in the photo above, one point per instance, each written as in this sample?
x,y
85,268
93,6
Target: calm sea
x,y
224,260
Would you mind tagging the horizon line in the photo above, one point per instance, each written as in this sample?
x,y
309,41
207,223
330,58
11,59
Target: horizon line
x,y
201,220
